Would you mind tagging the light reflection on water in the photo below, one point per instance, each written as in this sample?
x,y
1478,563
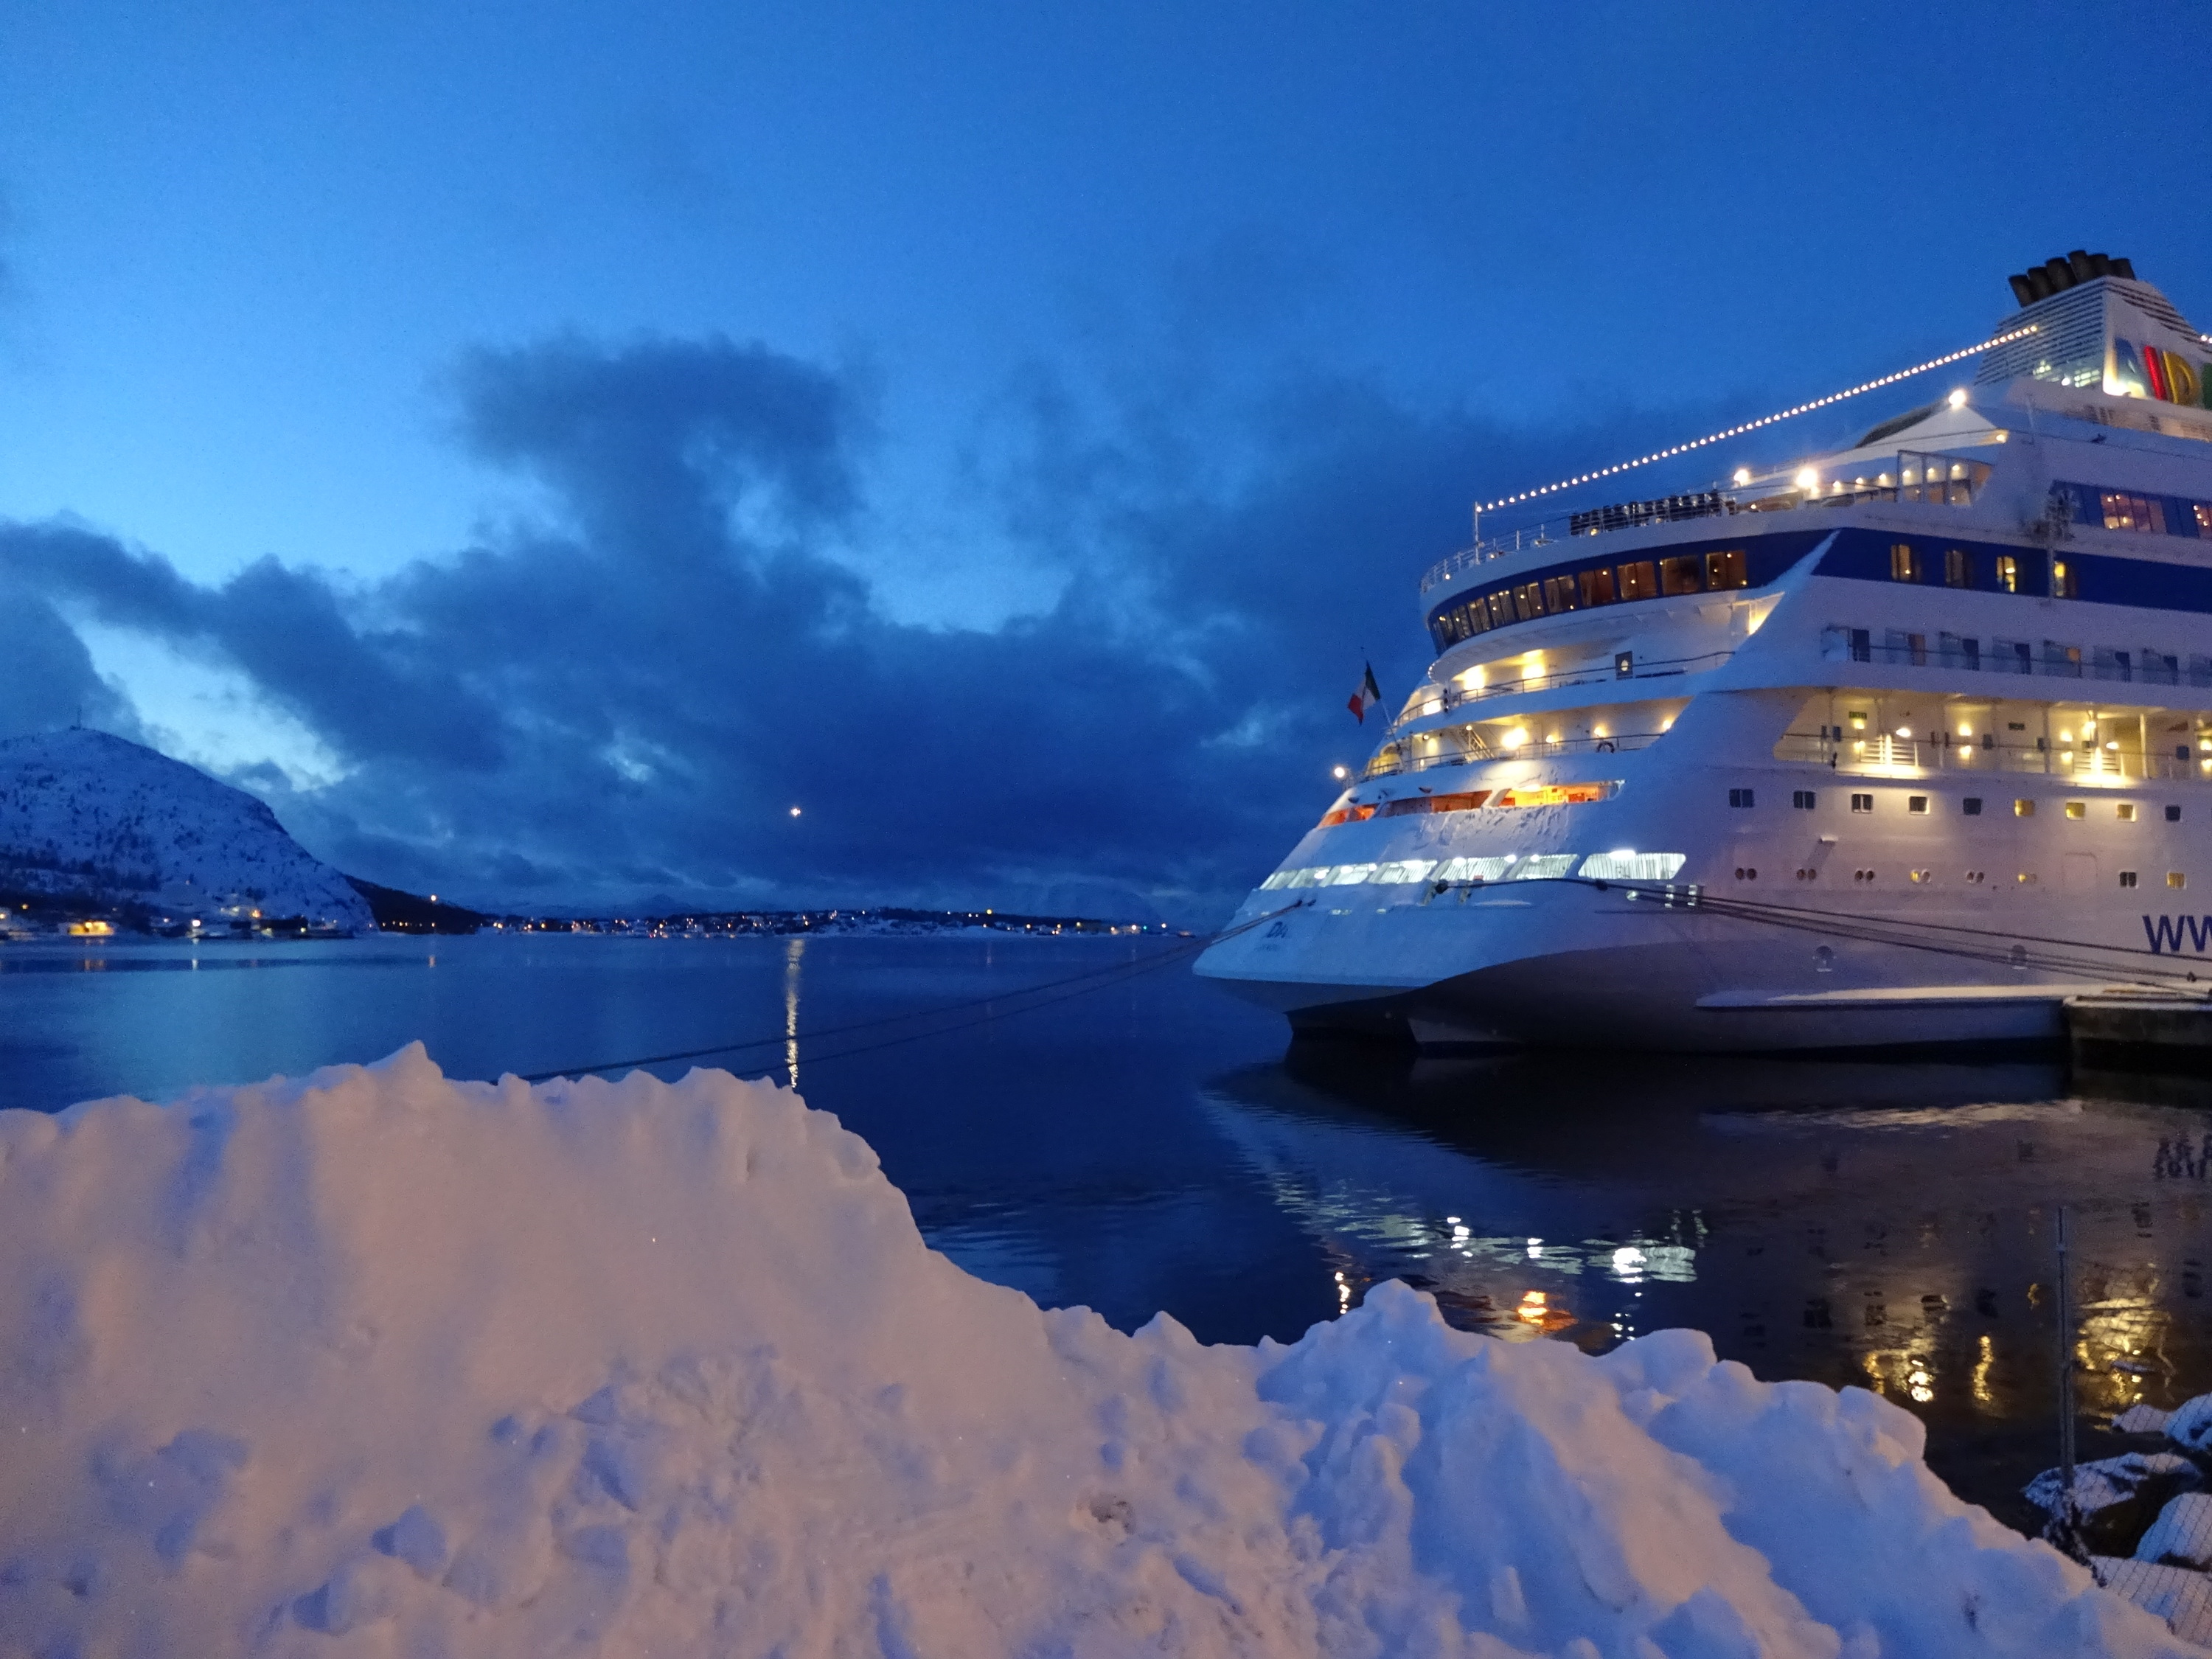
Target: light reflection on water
x,y
1889,1226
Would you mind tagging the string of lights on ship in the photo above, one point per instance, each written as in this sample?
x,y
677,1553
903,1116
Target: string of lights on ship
x,y
1865,554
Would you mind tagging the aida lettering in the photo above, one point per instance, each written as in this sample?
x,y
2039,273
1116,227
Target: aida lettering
x,y
2166,932
2150,372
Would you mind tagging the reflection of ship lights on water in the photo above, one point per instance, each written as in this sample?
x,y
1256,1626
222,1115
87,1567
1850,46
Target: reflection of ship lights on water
x,y
1343,1294
1532,1308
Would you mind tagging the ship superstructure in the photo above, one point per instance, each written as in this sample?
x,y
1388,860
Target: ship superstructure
x,y
1903,745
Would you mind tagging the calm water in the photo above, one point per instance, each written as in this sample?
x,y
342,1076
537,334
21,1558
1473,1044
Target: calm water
x,y
1148,1143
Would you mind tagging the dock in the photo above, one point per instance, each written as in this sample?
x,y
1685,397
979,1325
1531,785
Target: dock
x,y
2136,1028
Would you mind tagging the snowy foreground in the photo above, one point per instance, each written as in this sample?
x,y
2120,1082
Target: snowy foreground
x,y
376,1363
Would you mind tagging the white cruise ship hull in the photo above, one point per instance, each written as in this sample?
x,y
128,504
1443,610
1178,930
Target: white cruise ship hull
x,y
1575,970
1899,749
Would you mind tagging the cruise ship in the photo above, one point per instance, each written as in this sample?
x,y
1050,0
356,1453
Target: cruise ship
x,y
1900,745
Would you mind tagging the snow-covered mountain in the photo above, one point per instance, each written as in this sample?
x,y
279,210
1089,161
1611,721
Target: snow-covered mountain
x,y
87,815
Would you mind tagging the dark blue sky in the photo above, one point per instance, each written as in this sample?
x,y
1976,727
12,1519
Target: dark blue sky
x,y
537,448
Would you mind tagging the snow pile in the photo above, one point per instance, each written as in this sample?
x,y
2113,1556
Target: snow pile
x,y
86,815
377,1363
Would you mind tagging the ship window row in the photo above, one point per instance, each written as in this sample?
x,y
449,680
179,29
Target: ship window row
x,y
2140,510
1613,583
2051,658
1536,794
1990,573
2123,811
1619,865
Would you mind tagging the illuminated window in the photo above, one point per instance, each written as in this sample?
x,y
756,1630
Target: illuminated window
x,y
2023,809
1562,593
1639,581
1633,866
2176,878
1958,567
1683,574
2125,811
2123,511
1530,597
2007,573
1726,569
1597,586
1904,562
2064,583
2075,809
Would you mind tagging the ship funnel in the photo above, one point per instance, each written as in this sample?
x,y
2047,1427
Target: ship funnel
x,y
2096,325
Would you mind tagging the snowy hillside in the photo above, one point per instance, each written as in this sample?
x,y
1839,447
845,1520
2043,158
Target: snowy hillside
x,y
83,814
376,1363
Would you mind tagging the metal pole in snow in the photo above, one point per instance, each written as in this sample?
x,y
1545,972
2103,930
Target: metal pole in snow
x,y
2065,1311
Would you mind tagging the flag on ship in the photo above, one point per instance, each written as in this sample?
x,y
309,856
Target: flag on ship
x,y
1367,696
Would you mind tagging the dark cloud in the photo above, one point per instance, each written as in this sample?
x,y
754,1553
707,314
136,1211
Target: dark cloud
x,y
47,679
630,695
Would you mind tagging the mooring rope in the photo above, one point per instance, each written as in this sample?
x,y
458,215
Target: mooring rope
x,y
1095,979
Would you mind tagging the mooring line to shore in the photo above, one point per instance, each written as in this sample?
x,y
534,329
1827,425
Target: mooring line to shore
x,y
1970,944
1096,979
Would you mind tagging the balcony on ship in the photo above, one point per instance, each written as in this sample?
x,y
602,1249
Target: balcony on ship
x,y
1491,681
1892,734
1560,734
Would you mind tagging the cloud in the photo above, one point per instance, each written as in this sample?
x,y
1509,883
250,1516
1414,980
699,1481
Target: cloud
x,y
47,679
628,693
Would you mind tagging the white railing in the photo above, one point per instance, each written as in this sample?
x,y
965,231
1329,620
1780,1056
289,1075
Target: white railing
x,y
1454,696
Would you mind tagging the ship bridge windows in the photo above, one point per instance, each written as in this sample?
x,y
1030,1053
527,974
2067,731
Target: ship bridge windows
x,y
1615,581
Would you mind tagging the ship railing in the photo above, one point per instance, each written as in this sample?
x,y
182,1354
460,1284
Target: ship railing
x,y
1914,476
2047,659
1877,755
1426,750
1622,667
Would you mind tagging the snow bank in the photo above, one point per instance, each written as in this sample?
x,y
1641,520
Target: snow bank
x,y
375,1363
